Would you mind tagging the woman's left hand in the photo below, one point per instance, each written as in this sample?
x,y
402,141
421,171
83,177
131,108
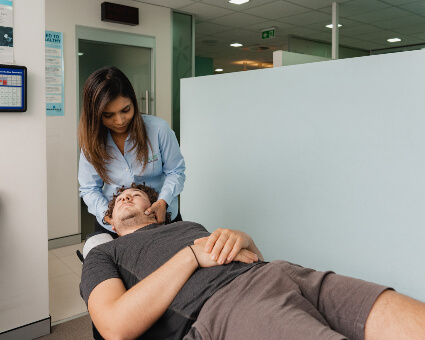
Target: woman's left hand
x,y
159,209
225,244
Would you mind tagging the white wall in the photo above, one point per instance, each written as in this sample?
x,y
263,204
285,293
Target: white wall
x,y
322,163
62,148
24,296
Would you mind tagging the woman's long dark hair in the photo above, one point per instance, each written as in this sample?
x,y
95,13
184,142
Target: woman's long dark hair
x,y
102,87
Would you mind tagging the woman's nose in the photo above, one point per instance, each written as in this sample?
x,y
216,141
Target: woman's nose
x,y
119,120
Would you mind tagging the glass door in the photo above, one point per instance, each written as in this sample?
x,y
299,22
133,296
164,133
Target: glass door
x,y
134,61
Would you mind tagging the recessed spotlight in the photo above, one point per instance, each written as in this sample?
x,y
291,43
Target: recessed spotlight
x,y
394,40
238,2
218,70
332,26
236,45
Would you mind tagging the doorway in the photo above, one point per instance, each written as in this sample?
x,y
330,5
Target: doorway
x,y
132,54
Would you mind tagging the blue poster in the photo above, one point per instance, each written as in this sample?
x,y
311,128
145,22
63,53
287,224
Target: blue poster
x,y
54,74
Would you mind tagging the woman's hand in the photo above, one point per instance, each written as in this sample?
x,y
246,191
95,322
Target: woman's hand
x,y
159,209
225,244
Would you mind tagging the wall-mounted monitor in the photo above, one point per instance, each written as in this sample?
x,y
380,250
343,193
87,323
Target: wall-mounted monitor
x,y
13,88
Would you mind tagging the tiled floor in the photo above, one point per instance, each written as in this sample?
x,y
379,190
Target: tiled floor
x,y
64,279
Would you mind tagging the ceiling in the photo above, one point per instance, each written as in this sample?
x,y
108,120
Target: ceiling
x,y
366,24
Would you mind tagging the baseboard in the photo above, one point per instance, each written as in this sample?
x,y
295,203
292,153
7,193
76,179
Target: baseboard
x,y
28,332
64,241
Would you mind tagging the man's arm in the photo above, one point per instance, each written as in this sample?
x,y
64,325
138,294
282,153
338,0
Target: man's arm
x,y
119,313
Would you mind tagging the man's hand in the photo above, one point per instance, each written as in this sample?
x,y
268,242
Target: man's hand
x,y
205,260
223,245
159,209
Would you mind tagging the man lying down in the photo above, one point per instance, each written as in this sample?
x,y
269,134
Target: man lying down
x,y
177,281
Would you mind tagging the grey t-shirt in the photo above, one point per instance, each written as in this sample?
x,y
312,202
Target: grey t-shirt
x,y
135,256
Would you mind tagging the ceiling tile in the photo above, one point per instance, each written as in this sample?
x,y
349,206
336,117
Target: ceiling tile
x,y
207,28
417,7
410,30
238,20
167,3
401,22
277,9
381,15
316,4
204,12
358,30
307,18
355,7
399,2
237,8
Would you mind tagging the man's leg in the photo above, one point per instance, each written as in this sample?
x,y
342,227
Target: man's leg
x,y
395,316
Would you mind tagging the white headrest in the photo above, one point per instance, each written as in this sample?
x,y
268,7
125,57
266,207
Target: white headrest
x,y
94,241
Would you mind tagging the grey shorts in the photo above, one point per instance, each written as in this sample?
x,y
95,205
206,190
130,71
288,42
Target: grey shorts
x,y
281,300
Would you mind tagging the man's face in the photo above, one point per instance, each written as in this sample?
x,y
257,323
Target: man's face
x,y
130,207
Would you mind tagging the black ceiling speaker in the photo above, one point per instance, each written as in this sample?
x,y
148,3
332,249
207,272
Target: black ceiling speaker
x,y
120,14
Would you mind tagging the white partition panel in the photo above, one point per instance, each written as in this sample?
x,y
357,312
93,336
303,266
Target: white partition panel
x,y
323,164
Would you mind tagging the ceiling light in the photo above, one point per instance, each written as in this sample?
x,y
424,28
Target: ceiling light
x,y
238,2
236,45
218,70
80,54
394,40
331,26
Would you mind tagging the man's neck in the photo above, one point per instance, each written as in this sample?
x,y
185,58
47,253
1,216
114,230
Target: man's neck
x,y
129,230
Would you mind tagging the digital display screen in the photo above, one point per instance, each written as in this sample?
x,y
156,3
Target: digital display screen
x,y
13,83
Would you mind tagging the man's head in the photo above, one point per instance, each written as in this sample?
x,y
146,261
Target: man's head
x,y
127,208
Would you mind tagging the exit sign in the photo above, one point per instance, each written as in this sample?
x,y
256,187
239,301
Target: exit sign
x,y
267,34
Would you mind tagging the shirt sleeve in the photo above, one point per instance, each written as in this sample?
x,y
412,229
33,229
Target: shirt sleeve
x,y
91,189
173,165
98,267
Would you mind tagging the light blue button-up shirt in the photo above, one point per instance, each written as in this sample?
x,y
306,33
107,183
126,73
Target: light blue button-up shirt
x,y
164,171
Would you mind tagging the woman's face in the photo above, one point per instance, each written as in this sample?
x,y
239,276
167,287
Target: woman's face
x,y
118,114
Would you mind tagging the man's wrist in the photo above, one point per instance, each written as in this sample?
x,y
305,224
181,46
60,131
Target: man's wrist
x,y
189,256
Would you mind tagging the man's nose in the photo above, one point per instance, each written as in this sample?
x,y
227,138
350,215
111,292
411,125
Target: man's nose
x,y
127,198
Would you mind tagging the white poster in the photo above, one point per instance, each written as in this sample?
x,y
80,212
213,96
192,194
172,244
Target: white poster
x,y
54,74
6,31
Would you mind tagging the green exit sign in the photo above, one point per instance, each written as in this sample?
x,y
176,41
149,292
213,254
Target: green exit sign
x,y
267,34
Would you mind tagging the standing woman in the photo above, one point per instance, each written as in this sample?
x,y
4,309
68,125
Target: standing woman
x,y
120,146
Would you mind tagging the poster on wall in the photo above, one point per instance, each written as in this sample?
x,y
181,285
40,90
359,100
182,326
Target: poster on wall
x,y
54,74
6,31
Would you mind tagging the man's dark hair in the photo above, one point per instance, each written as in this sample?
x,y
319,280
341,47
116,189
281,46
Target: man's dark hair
x,y
152,194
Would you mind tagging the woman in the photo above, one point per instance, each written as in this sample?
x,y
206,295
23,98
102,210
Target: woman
x,y
120,146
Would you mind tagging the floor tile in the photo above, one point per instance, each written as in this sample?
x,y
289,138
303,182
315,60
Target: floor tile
x,y
65,299
52,256
69,250
58,268
73,263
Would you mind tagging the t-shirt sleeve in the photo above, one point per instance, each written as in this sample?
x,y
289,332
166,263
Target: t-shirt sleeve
x,y
98,267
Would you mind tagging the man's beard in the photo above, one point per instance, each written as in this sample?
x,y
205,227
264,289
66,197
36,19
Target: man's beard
x,y
130,219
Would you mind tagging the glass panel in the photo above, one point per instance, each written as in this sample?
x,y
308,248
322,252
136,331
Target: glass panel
x,y
134,61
